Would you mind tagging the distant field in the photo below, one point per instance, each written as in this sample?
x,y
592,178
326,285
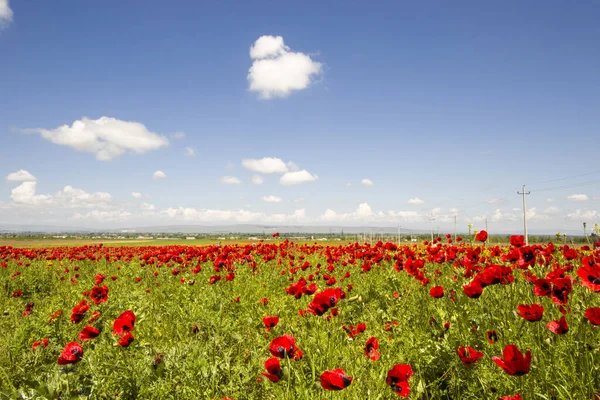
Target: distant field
x,y
138,242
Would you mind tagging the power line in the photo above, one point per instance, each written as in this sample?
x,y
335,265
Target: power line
x,y
567,177
570,185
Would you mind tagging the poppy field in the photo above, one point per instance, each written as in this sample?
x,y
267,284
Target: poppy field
x,y
451,319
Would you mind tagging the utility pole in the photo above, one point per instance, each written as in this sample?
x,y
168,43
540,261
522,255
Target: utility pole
x,y
524,193
432,219
455,228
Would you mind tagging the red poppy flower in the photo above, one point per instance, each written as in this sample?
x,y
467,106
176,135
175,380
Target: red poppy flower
x,y
270,322
276,234
590,276
17,293
284,346
43,343
513,362
273,367
324,300
532,313
99,294
88,333
214,279
335,379
468,355
481,236
436,292
371,348
559,327
99,278
473,289
492,336
28,309
126,340
124,323
397,378
593,315
71,354
517,240
79,311
515,397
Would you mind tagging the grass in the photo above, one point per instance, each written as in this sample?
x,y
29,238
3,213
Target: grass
x,y
225,354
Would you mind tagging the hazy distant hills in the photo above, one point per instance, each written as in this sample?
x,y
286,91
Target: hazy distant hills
x,y
245,229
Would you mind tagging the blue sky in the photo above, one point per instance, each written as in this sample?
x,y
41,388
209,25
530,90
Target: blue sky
x,y
453,106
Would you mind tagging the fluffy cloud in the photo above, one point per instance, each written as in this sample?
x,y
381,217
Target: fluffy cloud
x,y
6,14
363,212
136,195
294,178
20,176
103,216
229,180
272,199
578,197
69,197
552,210
189,152
580,215
366,182
266,165
415,201
107,138
276,71
178,135
159,175
257,180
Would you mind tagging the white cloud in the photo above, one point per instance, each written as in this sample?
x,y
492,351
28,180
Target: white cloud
x,y
69,197
257,180
404,215
362,213
25,194
147,207
551,210
292,166
348,184
266,165
230,216
189,152
178,135
583,214
366,182
20,176
230,180
296,177
268,46
549,200
107,138
136,195
272,199
578,197
495,201
6,14
159,175
103,216
299,200
276,71
415,201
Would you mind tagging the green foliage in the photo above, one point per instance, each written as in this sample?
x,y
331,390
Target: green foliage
x,y
225,355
